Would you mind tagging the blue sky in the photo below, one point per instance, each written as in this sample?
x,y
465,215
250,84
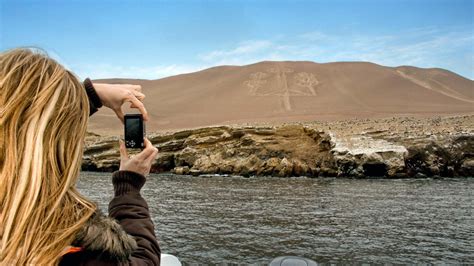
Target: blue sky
x,y
154,39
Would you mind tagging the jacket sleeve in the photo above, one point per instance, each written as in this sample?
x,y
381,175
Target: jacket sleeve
x,y
131,211
94,100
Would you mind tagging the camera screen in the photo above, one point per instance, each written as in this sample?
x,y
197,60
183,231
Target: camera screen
x,y
133,131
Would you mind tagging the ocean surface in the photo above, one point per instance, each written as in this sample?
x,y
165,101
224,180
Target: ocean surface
x,y
253,220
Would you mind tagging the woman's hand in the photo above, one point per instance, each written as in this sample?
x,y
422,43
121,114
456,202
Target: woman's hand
x,y
140,163
115,95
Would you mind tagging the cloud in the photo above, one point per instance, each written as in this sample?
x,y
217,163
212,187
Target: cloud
x,y
245,53
99,71
430,49
423,47
243,49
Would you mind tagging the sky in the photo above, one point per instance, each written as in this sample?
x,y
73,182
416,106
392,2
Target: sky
x,y
154,39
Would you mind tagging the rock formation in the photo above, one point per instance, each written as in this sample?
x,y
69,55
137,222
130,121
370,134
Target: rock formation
x,y
299,150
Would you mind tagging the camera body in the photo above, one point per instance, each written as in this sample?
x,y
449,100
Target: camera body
x,y
134,131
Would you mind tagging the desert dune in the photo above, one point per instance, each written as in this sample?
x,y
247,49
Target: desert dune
x,y
278,92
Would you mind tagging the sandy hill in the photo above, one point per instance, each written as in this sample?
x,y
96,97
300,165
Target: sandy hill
x,y
277,92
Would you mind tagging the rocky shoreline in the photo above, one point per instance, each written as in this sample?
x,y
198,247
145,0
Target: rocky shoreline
x,y
391,148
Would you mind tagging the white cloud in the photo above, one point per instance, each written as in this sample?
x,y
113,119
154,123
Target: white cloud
x,y
243,49
98,71
424,51
423,47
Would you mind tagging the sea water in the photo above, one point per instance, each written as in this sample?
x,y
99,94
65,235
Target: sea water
x,y
253,220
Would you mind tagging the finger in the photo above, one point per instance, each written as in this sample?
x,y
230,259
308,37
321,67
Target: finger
x,y
143,155
149,145
139,95
140,106
123,150
140,98
148,151
133,105
152,157
119,114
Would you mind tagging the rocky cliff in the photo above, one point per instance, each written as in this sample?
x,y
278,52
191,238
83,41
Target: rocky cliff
x,y
398,147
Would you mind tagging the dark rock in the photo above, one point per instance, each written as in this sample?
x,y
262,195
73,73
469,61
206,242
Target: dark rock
x,y
172,145
375,169
295,150
164,162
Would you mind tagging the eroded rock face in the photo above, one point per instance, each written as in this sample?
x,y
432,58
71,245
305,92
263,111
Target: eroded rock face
x,y
363,156
101,154
280,151
449,157
295,150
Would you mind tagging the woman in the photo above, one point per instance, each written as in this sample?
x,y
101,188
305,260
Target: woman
x,y
44,111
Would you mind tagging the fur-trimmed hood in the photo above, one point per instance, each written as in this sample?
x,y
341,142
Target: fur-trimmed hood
x,y
104,236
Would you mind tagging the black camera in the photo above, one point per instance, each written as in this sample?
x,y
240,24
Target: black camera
x,y
134,131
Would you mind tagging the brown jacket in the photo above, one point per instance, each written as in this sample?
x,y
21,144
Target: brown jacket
x,y
127,236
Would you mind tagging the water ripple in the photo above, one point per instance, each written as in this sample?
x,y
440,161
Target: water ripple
x,y
252,220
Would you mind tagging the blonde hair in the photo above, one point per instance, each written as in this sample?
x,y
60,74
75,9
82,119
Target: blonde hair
x,y
44,112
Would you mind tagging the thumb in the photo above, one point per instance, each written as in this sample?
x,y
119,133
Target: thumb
x,y
123,150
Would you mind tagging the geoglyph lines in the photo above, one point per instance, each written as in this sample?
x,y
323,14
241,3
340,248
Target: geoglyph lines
x,y
255,82
445,90
452,93
307,80
286,91
287,84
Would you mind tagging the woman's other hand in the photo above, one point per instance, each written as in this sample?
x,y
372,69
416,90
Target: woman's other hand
x,y
140,163
115,95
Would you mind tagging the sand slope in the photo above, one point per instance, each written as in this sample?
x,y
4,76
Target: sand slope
x,y
277,92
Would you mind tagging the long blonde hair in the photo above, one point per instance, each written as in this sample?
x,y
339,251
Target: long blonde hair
x,y
44,112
